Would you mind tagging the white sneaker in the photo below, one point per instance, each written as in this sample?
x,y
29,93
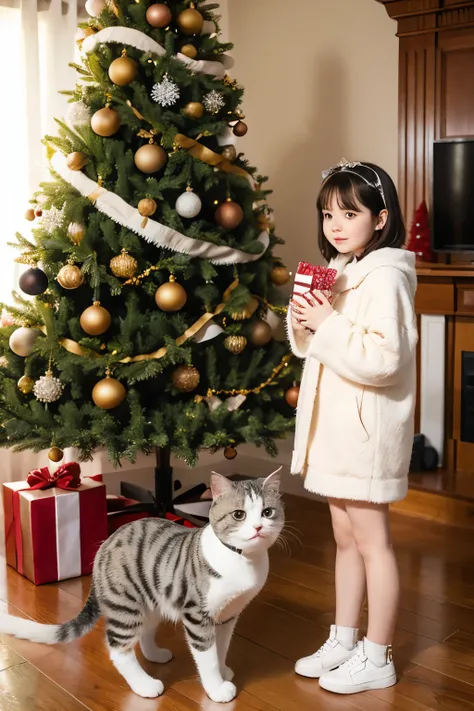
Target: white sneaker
x,y
330,656
360,674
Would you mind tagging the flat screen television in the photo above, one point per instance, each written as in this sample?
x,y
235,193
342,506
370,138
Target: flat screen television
x,y
452,213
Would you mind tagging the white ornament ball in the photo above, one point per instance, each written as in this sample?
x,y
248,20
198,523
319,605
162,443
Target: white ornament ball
x,y
78,114
188,205
48,388
22,341
95,7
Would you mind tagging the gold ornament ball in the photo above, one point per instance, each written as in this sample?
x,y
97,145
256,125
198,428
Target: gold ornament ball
x,y
55,454
70,277
194,110
76,160
190,21
123,71
280,276
124,266
189,50
261,333
105,122
25,384
170,296
230,452
248,311
240,129
76,232
186,378
159,15
95,320
150,158
230,153
30,215
291,396
229,215
108,393
147,207
235,344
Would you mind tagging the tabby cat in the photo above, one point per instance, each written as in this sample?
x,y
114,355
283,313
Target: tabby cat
x,y
152,569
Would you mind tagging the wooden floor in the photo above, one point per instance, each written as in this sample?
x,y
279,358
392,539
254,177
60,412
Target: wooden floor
x,y
434,646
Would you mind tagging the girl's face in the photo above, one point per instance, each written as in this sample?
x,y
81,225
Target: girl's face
x,y
350,231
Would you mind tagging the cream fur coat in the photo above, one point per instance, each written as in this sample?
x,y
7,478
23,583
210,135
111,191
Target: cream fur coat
x,y
355,416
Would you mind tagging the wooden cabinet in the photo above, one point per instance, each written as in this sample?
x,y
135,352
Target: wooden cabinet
x,y
445,305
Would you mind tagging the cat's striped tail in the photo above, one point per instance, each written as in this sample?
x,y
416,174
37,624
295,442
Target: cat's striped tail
x,y
51,634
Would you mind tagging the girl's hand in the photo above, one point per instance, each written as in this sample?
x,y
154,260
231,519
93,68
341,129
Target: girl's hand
x,y
311,310
296,325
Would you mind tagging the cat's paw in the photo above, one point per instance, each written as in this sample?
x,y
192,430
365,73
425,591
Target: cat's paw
x,y
158,655
223,693
149,688
227,673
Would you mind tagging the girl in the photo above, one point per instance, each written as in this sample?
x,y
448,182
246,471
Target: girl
x,y
355,419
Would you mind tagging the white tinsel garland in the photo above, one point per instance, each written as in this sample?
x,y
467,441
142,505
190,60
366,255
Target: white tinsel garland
x,y
141,41
124,214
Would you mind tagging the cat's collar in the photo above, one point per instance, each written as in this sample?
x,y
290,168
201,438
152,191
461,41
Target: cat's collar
x,y
232,548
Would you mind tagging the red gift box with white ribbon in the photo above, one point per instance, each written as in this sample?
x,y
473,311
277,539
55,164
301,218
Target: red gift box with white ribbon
x,y
310,276
54,523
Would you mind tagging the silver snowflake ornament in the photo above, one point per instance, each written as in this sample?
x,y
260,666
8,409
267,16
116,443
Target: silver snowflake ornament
x,y
48,388
213,102
52,219
166,93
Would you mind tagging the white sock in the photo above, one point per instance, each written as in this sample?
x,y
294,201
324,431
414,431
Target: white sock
x,y
378,654
347,636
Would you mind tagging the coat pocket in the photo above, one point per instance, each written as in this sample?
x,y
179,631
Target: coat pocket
x,y
362,411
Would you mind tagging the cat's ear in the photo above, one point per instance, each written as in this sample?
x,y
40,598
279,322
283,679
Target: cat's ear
x,y
272,482
220,485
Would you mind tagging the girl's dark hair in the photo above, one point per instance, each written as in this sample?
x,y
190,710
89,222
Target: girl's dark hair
x,y
350,188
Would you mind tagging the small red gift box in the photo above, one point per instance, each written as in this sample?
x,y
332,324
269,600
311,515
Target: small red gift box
x,y
310,276
54,523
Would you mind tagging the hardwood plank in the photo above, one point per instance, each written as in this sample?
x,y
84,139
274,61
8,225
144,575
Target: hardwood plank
x,y
9,658
22,688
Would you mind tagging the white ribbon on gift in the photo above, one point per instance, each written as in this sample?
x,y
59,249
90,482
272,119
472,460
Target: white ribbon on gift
x,y
68,526
141,41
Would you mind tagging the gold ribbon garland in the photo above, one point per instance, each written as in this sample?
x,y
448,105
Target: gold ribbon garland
x,y
76,349
284,363
197,150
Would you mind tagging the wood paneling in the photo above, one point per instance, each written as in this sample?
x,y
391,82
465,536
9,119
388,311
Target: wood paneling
x,y
455,84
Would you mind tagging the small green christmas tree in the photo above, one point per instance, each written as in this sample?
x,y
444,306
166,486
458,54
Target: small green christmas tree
x,y
152,264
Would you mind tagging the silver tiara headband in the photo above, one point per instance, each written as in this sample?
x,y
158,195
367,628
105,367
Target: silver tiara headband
x,y
348,167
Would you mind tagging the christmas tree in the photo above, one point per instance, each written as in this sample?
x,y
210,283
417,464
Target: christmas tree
x,y
420,239
151,258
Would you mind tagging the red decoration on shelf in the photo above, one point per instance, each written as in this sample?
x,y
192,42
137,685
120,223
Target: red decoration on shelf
x,y
420,240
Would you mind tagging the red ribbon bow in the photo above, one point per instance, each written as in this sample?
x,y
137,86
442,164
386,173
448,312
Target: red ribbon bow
x,y
68,476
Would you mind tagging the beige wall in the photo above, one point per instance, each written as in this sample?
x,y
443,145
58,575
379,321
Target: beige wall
x,y
321,82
